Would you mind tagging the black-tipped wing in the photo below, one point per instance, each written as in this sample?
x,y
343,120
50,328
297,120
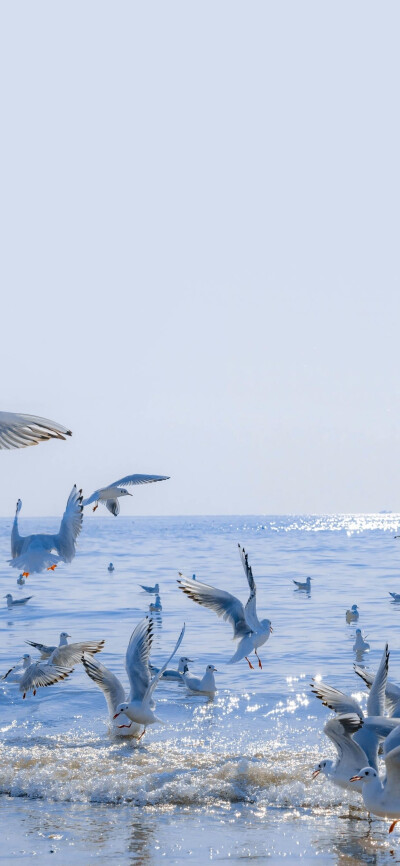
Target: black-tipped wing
x,y
19,431
221,602
71,526
110,685
137,659
336,700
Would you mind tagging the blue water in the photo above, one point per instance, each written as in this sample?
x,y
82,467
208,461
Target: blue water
x,y
222,779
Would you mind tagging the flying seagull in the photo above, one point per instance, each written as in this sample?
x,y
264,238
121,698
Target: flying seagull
x,y
109,495
19,431
252,632
33,553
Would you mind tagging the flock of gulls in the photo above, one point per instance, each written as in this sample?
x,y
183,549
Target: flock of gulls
x,y
359,738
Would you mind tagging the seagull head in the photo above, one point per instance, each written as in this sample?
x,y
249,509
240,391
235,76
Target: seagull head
x,y
26,656
120,709
368,774
123,492
8,595
266,625
320,768
210,669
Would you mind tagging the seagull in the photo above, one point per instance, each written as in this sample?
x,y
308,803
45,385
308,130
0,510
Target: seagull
x,y
382,798
306,585
140,707
252,632
351,757
352,615
157,606
41,674
395,596
153,589
204,686
14,602
109,495
367,737
19,431
360,644
110,567
114,694
15,673
20,580
170,673
66,654
33,552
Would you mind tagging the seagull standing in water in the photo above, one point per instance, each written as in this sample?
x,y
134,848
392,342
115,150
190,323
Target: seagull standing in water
x,y
141,706
33,553
19,431
251,631
382,798
109,495
204,686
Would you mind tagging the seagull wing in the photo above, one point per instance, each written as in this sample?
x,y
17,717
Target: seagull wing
x,y
340,730
42,674
113,506
152,685
15,667
376,697
222,603
392,692
138,479
72,653
250,609
93,498
137,659
19,431
336,700
71,526
110,685
45,651
392,785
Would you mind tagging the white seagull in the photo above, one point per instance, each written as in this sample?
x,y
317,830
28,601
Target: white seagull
x,y
140,708
382,798
360,645
157,606
353,614
351,757
19,431
33,553
114,694
67,654
152,589
252,632
109,495
204,686
16,602
306,585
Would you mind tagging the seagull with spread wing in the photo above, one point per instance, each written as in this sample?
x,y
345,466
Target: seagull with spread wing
x,y
34,553
19,431
247,628
141,706
109,495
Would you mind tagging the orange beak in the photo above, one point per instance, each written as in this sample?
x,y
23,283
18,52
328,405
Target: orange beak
x,y
316,773
355,779
116,715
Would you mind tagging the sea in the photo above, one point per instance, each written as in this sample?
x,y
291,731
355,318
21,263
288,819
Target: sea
x,y
224,780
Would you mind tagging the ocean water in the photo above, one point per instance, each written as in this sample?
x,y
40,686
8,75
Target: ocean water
x,y
221,780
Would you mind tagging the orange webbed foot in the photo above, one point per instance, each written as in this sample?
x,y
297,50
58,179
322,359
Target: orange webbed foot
x,y
52,567
25,574
392,826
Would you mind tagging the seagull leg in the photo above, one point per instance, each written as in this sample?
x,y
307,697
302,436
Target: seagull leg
x,y
95,506
259,660
52,567
34,692
249,663
392,826
142,734
24,696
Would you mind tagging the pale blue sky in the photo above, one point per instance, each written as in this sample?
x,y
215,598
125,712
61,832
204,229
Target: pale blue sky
x,y
200,267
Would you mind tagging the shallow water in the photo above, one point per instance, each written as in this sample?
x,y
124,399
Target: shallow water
x,y
223,779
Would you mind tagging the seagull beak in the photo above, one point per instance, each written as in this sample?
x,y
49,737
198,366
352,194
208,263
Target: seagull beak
x,y
355,779
116,715
316,773
270,628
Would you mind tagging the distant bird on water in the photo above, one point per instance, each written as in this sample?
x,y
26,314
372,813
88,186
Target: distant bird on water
x,y
20,580
154,589
16,602
156,607
33,553
19,431
110,567
395,596
306,585
353,614
109,495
